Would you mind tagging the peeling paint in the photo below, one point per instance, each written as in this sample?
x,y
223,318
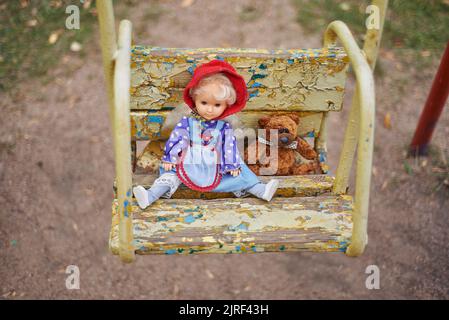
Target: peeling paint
x,y
159,75
313,223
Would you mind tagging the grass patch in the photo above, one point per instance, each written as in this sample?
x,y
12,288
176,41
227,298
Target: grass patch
x,y
416,26
25,29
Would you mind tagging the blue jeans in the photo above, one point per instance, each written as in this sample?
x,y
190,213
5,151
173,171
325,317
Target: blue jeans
x,y
246,181
156,191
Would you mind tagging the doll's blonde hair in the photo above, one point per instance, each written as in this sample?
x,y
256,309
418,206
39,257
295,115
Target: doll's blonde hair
x,y
226,92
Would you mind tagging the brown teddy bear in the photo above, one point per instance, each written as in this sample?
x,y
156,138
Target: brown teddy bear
x,y
288,145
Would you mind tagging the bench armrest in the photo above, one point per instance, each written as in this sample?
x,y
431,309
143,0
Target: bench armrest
x,y
360,130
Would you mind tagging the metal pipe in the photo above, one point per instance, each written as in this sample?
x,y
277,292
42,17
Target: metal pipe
x,y
433,108
364,116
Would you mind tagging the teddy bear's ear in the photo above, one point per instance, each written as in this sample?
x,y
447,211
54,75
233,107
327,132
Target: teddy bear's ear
x,y
263,121
294,117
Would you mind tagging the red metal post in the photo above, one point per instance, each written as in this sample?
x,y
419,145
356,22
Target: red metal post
x,y
432,109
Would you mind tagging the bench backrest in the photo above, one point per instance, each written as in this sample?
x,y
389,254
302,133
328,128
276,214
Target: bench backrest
x,y
307,82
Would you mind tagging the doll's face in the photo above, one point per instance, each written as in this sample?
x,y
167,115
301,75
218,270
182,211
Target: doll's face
x,y
206,105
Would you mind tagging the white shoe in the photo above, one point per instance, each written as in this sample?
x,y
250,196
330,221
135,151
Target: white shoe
x,y
141,195
270,189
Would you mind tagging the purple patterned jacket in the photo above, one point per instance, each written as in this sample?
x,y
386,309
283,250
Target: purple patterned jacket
x,y
226,144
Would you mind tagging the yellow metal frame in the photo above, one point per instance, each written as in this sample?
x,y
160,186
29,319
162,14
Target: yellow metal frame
x,y
116,62
360,130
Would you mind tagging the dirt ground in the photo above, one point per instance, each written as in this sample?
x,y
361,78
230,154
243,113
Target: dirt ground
x,y
57,170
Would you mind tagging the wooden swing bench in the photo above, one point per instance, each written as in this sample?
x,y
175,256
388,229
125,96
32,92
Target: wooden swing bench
x,y
308,213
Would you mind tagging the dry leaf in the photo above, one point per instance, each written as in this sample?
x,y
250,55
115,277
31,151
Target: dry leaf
x,y
425,53
387,54
76,46
387,121
186,3
31,23
56,3
209,274
87,4
24,3
345,6
54,36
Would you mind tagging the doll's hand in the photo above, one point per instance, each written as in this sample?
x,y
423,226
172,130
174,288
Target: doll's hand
x,y
235,172
168,166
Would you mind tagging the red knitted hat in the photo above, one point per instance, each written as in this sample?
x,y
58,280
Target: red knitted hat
x,y
216,66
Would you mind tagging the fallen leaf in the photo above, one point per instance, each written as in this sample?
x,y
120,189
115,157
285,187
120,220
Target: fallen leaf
x,y
87,4
425,53
76,46
209,274
345,6
54,36
389,55
186,3
424,163
387,120
31,23
56,3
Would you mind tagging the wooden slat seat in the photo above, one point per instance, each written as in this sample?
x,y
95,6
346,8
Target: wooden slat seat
x,y
185,226
289,186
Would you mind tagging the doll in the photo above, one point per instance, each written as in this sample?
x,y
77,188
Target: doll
x,y
201,151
